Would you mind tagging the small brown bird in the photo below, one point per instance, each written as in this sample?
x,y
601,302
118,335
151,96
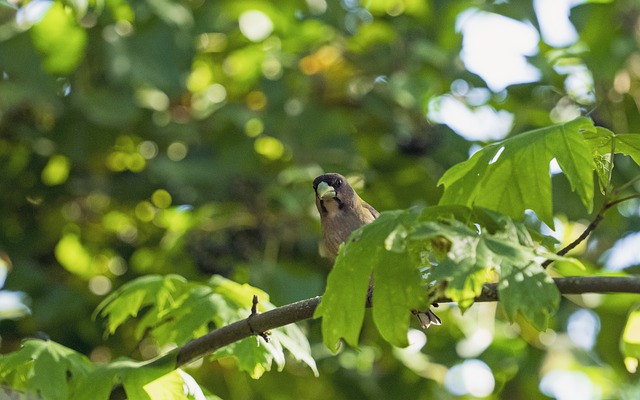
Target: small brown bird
x,y
341,212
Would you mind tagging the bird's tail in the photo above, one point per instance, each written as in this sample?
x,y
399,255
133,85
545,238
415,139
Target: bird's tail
x,y
427,318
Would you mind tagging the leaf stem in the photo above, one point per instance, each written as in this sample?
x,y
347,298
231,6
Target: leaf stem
x,y
625,185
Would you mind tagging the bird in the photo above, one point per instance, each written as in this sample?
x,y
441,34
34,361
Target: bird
x,y
342,211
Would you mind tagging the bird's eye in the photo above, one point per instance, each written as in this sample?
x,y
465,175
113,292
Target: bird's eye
x,y
339,182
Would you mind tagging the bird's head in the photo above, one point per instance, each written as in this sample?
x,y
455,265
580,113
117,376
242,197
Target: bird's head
x,y
333,191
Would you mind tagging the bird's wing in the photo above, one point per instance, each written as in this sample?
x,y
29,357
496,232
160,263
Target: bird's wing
x,y
372,210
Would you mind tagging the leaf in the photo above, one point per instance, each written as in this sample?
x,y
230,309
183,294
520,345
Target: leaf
x,y
489,241
134,376
178,311
601,141
464,266
512,176
251,354
45,367
528,291
129,299
175,385
397,290
292,339
464,280
630,340
396,283
629,145
191,319
240,294
167,387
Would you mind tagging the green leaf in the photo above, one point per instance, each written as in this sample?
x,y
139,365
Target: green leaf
x,y
487,241
191,319
528,291
512,176
174,386
464,266
46,368
629,144
252,355
377,251
134,376
601,142
630,340
156,290
464,280
342,305
292,339
178,311
240,294
398,289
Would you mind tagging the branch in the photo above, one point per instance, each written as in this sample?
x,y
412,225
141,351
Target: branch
x,y
592,226
304,309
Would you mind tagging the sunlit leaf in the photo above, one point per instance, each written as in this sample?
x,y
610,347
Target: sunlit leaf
x,y
251,355
136,377
629,144
398,287
46,368
513,175
527,290
177,311
128,300
630,340
501,245
174,386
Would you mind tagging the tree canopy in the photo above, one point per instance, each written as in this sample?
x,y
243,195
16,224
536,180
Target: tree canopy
x,y
156,161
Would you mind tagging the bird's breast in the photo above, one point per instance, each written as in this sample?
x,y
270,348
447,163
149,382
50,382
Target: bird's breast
x,y
338,225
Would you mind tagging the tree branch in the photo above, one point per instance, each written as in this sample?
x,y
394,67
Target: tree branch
x,y
591,227
304,309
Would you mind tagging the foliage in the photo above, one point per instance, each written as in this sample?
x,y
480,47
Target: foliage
x,y
176,311
509,176
156,163
513,175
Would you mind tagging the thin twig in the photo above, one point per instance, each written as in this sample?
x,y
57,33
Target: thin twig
x,y
591,227
624,186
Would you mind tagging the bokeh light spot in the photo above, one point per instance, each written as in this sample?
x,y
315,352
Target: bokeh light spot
x,y
148,149
200,77
583,327
100,285
216,93
269,147
177,151
254,127
145,211
56,171
568,385
472,377
255,25
256,100
161,198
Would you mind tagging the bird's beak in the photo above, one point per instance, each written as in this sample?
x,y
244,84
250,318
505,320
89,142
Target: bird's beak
x,y
324,191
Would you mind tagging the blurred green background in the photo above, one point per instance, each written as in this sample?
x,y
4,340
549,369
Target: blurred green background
x,y
182,137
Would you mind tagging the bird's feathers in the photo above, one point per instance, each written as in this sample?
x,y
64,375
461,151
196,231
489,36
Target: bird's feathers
x,y
342,211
